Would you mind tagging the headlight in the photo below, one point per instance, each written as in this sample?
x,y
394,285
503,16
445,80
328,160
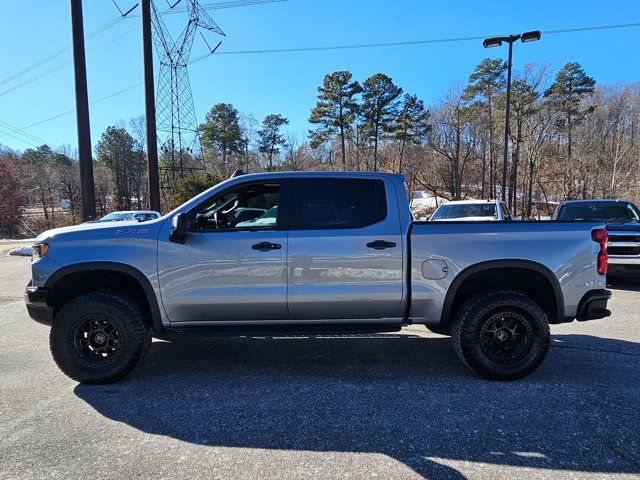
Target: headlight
x,y
40,250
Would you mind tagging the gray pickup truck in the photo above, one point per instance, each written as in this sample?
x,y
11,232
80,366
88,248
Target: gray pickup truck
x,y
332,253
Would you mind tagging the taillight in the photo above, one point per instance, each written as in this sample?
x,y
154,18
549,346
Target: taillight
x,y
600,235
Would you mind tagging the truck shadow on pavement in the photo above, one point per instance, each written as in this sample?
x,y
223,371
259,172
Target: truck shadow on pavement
x,y
404,396
623,284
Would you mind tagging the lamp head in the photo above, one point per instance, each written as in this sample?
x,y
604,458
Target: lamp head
x,y
491,42
531,36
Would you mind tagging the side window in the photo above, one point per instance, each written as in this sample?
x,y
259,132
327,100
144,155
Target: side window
x,y
253,206
505,212
338,203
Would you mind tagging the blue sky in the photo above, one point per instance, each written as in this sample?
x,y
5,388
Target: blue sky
x,y
286,82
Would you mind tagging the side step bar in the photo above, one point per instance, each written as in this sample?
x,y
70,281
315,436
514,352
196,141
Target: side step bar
x,y
277,331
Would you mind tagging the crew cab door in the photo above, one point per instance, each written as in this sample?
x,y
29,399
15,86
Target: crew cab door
x,y
345,249
232,266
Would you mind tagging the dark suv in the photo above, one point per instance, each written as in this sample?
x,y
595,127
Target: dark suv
x,y
623,225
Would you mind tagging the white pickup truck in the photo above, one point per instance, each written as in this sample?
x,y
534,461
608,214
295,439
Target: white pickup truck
x,y
333,252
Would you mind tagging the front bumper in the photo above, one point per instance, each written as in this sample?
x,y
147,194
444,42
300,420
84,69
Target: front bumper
x,y
623,266
36,301
594,305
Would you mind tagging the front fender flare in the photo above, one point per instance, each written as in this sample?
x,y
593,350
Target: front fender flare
x,y
140,277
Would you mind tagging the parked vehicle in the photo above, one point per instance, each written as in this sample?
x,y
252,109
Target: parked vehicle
x,y
342,256
131,215
228,215
472,210
623,224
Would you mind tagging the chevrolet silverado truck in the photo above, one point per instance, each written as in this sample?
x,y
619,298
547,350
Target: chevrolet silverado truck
x,y
622,220
333,253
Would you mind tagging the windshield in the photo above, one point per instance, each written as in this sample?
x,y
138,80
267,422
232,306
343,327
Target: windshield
x,y
461,210
618,212
115,216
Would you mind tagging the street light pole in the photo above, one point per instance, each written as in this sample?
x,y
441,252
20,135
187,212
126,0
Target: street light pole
x,y
496,42
506,123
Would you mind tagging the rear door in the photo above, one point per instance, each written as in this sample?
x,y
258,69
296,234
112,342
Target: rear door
x,y
345,250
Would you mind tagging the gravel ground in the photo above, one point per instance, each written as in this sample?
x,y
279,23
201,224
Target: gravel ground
x,y
382,406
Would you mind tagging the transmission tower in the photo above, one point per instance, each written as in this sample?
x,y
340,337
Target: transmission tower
x,y
177,124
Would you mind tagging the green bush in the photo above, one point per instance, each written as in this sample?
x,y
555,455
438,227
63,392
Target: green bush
x,y
188,187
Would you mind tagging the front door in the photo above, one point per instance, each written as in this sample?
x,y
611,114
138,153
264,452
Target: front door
x,y
233,264
345,250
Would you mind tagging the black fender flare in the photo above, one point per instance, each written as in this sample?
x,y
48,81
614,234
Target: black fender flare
x,y
141,278
493,264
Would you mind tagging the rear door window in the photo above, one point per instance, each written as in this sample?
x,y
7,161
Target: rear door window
x,y
333,203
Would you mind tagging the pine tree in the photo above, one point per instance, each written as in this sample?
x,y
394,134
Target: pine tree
x,y
524,103
335,110
270,137
379,108
222,131
412,124
485,83
571,86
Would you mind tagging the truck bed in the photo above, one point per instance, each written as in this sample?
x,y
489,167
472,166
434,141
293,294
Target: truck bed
x,y
444,252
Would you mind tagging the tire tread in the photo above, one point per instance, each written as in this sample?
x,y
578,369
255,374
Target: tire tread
x,y
138,330
487,297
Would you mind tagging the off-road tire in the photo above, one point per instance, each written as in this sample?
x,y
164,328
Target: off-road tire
x,y
469,338
115,309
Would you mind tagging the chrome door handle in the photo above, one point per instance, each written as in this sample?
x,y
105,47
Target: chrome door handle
x,y
266,246
380,245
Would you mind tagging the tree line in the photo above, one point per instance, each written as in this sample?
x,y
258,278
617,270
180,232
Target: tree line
x,y
569,138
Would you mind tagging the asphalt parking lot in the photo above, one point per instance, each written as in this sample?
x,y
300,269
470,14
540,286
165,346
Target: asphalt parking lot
x,y
383,406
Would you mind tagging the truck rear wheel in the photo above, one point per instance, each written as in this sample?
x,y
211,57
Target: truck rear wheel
x,y
99,337
501,334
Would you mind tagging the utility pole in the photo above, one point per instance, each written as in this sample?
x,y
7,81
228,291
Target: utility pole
x,y
150,109
82,114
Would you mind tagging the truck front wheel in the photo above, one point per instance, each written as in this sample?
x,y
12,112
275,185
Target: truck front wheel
x,y
99,337
501,334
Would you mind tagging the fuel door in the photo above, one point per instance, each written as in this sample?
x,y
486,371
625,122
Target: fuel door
x,y
434,269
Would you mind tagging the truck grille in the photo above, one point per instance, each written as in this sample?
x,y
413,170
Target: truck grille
x,y
631,237
623,250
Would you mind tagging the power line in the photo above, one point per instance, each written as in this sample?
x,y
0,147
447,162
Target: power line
x,y
20,132
59,52
42,61
223,5
405,43
62,65
588,29
19,139
339,47
68,112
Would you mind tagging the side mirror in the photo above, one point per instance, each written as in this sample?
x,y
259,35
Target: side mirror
x,y
180,225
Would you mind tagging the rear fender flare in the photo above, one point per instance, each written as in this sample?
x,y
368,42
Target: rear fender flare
x,y
448,306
